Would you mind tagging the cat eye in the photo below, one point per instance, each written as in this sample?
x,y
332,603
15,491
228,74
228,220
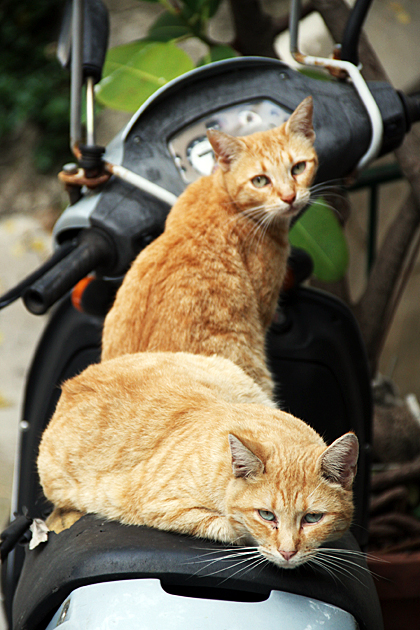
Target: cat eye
x,y
298,168
266,515
260,181
312,518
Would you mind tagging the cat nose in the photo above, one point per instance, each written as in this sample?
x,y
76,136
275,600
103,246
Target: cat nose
x,y
288,197
287,554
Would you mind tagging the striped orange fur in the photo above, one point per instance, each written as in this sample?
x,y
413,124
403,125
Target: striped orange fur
x,y
210,283
191,444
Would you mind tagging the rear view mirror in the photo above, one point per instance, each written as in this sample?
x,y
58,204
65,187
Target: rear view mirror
x,y
82,45
95,38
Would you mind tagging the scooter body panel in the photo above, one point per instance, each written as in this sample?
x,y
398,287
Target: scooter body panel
x,y
95,551
145,605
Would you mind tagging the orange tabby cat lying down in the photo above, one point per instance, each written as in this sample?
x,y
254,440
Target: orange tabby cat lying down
x,y
210,283
190,444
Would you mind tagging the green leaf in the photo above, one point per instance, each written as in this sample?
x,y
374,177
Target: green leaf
x,y
213,6
206,8
167,27
194,6
122,55
217,53
319,233
132,72
313,73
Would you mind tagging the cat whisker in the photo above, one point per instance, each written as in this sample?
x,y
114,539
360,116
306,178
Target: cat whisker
x,y
250,552
258,233
234,218
345,572
337,565
321,200
264,210
256,214
325,204
232,547
335,570
263,217
233,566
330,183
327,189
352,552
331,193
255,229
261,560
337,558
254,210
262,225
335,553
251,214
228,556
314,562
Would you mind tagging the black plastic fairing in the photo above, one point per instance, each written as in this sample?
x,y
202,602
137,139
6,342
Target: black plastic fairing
x,y
342,126
95,551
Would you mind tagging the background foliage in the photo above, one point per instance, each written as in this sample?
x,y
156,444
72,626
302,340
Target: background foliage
x,y
134,71
33,87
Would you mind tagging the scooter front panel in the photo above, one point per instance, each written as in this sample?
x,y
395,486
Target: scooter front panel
x,y
144,605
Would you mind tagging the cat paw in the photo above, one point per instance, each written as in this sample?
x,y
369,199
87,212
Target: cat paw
x,y
61,519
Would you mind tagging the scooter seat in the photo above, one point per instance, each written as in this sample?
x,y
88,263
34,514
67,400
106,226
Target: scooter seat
x,y
93,550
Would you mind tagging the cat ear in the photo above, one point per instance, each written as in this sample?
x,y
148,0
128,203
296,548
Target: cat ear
x,y
226,147
339,461
300,122
244,463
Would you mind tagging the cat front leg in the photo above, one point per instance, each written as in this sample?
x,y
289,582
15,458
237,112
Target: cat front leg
x,y
202,523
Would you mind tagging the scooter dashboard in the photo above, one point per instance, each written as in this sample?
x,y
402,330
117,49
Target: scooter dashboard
x,y
190,149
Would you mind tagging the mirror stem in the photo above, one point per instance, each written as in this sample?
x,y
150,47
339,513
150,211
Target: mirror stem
x,y
90,112
76,75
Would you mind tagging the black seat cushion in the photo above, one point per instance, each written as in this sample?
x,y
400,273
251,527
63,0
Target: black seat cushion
x,y
94,550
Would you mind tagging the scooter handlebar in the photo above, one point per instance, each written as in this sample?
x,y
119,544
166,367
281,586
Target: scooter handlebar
x,y
111,245
94,251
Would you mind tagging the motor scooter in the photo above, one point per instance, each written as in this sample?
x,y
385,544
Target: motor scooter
x,y
100,574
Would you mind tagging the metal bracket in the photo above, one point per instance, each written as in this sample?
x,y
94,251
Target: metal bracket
x,y
143,184
347,69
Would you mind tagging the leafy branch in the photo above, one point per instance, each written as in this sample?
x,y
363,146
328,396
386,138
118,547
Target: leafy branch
x,y
134,71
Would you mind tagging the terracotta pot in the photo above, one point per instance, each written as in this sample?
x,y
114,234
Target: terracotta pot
x,y
397,580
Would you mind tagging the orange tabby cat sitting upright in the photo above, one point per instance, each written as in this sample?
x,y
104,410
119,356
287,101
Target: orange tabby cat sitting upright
x,y
210,283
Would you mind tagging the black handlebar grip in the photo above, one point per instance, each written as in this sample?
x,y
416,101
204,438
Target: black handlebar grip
x,y
93,250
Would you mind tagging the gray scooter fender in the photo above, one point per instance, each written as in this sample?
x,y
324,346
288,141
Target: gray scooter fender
x,y
141,604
